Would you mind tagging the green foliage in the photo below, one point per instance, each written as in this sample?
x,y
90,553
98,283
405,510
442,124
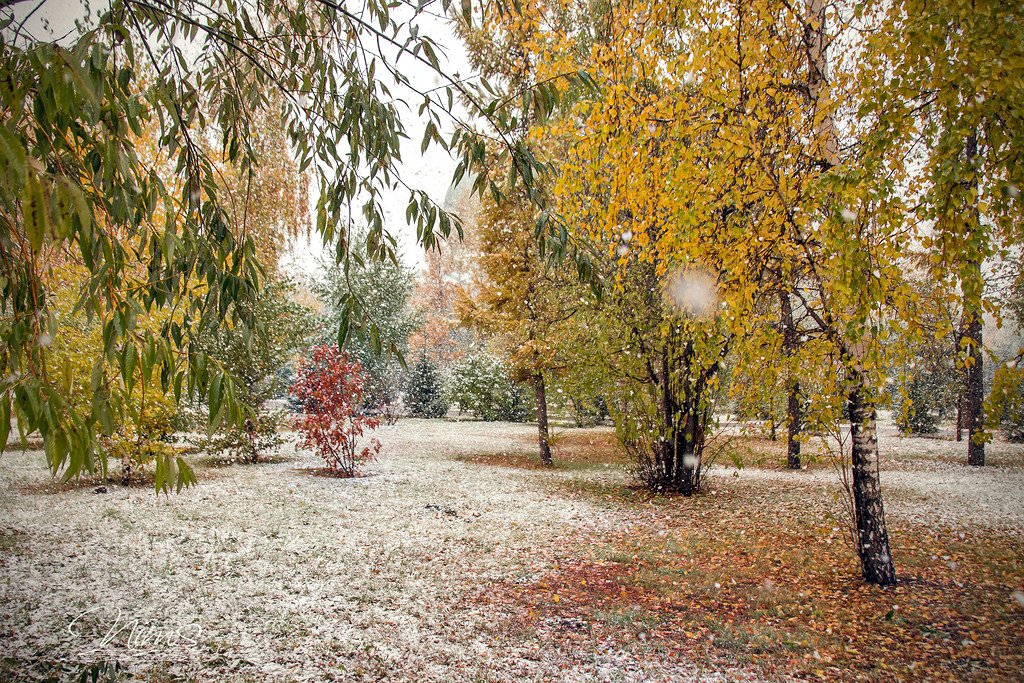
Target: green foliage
x,y
158,231
75,182
586,411
927,386
258,437
145,436
919,411
963,59
142,414
424,394
383,289
480,383
927,396
1005,407
255,358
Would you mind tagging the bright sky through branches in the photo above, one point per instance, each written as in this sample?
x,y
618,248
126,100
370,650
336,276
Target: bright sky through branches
x,y
430,171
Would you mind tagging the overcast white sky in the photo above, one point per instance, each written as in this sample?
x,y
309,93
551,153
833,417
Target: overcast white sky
x,y
431,172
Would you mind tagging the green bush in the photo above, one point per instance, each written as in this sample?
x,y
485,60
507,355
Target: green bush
x,y
258,360
921,407
1005,409
480,383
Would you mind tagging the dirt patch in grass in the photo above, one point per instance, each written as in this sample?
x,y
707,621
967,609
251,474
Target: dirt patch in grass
x,y
206,470
328,473
572,449
55,485
10,539
218,462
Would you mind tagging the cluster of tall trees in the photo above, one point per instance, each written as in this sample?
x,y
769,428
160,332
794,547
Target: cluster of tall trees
x,y
675,195
764,187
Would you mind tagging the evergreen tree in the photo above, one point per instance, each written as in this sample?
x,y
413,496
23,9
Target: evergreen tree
x,y
424,391
382,289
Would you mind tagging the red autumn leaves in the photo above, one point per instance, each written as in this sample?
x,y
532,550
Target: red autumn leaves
x,y
330,390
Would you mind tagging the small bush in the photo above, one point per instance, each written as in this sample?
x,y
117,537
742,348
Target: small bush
x,y
1005,409
481,383
145,436
257,438
258,362
330,389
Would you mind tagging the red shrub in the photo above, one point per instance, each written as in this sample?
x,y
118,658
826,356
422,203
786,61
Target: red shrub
x,y
330,389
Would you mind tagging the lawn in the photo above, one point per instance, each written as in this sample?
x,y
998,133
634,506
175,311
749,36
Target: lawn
x,y
458,558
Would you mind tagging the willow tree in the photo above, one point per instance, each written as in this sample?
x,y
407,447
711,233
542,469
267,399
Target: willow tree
x,y
75,189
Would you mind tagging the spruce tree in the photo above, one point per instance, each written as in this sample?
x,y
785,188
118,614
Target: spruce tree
x,y
424,394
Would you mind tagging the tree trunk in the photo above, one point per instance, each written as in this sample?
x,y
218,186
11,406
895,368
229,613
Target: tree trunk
x,y
826,139
666,462
794,408
676,451
796,419
540,397
690,430
693,435
872,537
960,415
974,390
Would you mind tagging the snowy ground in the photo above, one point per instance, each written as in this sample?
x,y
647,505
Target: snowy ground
x,y
925,480
272,573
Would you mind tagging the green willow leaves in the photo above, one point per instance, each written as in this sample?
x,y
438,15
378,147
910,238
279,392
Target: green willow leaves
x,y
148,221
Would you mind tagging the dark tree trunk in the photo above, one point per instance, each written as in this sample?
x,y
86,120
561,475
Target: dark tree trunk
x,y
249,441
960,414
796,419
974,393
676,452
541,400
794,408
872,536
692,440
667,463
974,390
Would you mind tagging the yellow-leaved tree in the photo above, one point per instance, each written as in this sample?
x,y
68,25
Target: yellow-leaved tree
x,y
724,167
942,82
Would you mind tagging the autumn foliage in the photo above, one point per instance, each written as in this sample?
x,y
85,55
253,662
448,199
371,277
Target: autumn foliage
x,y
330,390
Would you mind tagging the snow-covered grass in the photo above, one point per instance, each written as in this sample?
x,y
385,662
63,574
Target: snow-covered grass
x,y
925,479
269,572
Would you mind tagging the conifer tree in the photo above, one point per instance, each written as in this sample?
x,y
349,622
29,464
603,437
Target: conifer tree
x,y
424,395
